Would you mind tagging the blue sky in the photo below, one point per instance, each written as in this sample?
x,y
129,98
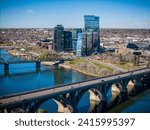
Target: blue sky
x,y
69,13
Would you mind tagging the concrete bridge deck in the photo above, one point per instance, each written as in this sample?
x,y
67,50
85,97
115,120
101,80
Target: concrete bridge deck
x,y
53,91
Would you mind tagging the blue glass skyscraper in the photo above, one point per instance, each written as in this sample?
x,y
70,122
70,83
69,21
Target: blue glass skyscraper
x,y
79,45
91,35
75,38
91,22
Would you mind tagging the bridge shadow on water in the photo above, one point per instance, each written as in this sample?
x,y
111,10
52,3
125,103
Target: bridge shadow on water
x,y
139,103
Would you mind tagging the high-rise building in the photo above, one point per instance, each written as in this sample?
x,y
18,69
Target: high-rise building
x,y
59,38
79,45
91,35
75,33
91,22
67,41
90,40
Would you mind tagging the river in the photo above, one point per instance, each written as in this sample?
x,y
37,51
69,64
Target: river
x,y
24,77
137,104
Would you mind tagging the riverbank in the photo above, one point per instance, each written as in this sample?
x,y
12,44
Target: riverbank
x,y
66,66
48,63
17,53
84,72
123,106
12,52
83,65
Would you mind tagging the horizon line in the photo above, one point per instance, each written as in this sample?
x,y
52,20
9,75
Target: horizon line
x,y
64,28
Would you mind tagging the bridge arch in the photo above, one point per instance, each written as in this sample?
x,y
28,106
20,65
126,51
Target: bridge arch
x,y
90,101
54,105
146,80
114,95
134,85
95,100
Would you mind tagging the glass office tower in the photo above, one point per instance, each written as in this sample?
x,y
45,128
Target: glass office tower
x,y
90,40
75,33
91,35
79,45
91,22
59,38
67,41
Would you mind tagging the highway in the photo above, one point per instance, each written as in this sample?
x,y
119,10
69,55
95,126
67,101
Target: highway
x,y
68,87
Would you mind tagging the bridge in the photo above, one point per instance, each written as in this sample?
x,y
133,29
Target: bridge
x,y
7,59
103,92
28,58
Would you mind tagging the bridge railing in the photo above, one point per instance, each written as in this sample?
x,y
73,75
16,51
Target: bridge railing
x,y
69,84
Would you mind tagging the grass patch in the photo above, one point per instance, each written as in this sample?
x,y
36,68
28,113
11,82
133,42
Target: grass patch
x,y
127,66
75,61
103,66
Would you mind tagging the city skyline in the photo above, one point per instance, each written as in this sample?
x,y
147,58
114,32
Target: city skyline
x,y
70,13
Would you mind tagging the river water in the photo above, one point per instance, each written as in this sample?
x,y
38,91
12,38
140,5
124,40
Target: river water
x,y
141,105
24,77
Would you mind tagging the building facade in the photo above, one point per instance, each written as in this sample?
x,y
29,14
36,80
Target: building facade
x,y
91,22
90,41
79,45
91,35
59,38
67,41
75,33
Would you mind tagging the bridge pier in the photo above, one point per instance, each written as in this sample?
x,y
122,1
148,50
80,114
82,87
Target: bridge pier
x,y
38,65
6,69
